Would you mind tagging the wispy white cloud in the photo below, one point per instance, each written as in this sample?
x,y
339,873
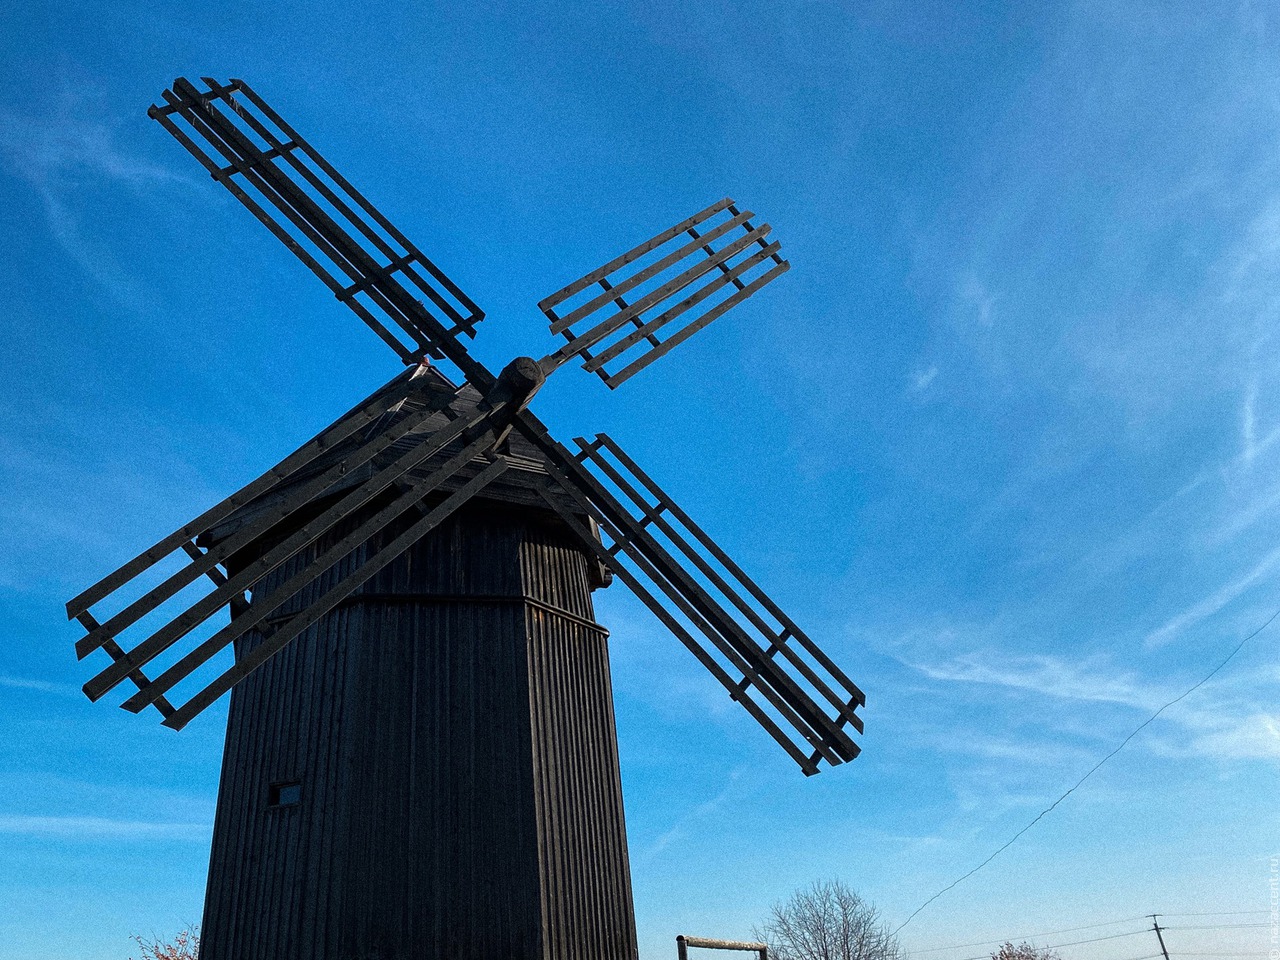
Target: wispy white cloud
x,y
62,149
51,524
921,379
72,143
1036,753
977,300
1239,519
93,828
1050,676
881,836
1249,422
702,811
688,691
43,686
1256,736
1228,720
1210,605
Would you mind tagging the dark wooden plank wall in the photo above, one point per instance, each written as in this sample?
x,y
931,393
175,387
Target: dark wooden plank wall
x,y
456,749
586,883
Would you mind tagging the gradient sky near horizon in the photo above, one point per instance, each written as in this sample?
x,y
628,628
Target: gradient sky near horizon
x,y
1004,439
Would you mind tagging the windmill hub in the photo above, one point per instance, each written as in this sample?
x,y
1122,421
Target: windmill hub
x,y
520,380
421,759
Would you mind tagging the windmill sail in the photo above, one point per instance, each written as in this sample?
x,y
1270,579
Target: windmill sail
x,y
363,259
278,633
765,661
348,424
371,470
694,272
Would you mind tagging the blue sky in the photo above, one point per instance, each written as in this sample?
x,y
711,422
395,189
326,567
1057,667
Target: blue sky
x,y
1005,439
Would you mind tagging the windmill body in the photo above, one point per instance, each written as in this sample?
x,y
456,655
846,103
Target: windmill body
x,y
431,769
421,758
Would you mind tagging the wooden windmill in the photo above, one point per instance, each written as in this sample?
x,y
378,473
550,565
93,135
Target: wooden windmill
x,y
421,758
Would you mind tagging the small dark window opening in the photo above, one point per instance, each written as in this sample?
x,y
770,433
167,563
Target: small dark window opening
x,y
285,794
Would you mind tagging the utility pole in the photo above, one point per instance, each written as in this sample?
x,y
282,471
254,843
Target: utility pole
x,y
1155,924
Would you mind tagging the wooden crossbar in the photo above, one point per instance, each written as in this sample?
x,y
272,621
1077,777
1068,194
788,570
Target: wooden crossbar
x,y
739,254
139,679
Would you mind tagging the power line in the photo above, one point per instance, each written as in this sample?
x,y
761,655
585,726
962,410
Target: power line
x,y
1218,913
1031,936
1088,926
1190,690
1114,936
1223,926
1075,943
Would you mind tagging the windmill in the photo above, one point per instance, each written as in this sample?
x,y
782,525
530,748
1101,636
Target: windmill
x,y
421,758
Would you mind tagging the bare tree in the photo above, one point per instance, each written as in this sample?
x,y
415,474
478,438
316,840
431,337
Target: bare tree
x,y
185,946
1025,951
827,921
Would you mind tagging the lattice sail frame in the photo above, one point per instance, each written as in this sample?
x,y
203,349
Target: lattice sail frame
x,y
340,474
744,630
726,261
359,255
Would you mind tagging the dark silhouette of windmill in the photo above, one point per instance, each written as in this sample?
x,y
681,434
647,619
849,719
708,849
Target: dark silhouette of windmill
x,y
421,758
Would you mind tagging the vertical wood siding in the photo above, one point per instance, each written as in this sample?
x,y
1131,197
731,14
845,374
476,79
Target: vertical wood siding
x,y
455,743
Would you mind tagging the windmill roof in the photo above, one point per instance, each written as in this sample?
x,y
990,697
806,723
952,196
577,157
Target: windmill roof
x,y
515,488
